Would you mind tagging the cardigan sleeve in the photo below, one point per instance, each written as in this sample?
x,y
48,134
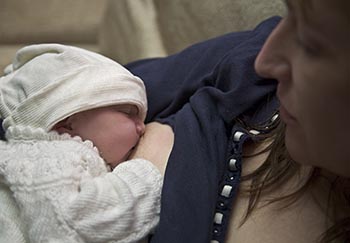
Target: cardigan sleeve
x,y
67,202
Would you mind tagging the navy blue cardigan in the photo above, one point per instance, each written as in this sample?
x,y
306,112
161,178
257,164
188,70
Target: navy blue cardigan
x,y
200,92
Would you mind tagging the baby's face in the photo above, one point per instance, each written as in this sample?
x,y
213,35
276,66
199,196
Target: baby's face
x,y
114,130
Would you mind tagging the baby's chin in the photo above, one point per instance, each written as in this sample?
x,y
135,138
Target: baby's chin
x,y
115,163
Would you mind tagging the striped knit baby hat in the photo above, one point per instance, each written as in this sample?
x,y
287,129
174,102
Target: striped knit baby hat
x,y
46,83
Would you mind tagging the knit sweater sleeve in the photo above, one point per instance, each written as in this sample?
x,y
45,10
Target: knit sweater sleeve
x,y
123,205
72,202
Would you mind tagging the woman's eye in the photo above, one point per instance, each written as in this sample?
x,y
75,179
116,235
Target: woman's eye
x,y
309,49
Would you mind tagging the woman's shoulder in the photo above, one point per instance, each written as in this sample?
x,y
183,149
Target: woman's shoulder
x,y
301,221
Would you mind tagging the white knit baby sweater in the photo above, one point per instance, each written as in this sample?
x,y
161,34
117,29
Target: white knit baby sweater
x,y
65,193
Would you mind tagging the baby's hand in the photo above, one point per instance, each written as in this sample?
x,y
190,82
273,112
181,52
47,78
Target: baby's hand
x,y
155,145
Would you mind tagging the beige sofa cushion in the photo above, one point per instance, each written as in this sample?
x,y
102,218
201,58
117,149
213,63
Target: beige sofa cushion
x,y
194,21
50,20
24,22
149,28
129,30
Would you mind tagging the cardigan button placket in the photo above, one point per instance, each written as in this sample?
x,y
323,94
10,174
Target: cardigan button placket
x,y
230,178
254,132
226,191
237,136
232,164
218,218
274,118
229,186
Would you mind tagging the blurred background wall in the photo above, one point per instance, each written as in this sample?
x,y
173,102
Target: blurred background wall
x,y
24,22
161,27
125,30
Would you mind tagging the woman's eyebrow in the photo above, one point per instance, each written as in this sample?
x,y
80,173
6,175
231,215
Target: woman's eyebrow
x,y
303,7
290,7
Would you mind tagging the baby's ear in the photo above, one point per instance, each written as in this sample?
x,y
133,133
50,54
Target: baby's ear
x,y
63,126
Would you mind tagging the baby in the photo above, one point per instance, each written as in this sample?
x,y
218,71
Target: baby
x,y
70,116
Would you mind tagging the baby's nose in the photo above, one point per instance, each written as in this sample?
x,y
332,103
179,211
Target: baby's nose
x,y
140,127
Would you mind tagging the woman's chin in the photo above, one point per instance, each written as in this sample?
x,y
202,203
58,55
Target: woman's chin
x,y
295,147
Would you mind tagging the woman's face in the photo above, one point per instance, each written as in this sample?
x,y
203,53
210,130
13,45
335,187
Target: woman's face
x,y
308,53
114,130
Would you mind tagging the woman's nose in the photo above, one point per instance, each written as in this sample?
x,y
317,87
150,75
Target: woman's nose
x,y
273,59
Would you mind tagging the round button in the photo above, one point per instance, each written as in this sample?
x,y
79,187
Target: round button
x,y
232,164
237,136
226,191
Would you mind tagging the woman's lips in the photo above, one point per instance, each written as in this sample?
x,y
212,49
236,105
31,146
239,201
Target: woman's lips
x,y
286,116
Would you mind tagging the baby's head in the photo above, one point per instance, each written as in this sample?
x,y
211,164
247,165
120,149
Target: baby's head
x,y
75,91
114,130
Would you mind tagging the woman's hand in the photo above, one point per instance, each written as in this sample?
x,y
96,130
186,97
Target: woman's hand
x,y
155,145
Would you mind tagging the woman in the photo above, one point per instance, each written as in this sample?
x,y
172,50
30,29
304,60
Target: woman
x,y
303,197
